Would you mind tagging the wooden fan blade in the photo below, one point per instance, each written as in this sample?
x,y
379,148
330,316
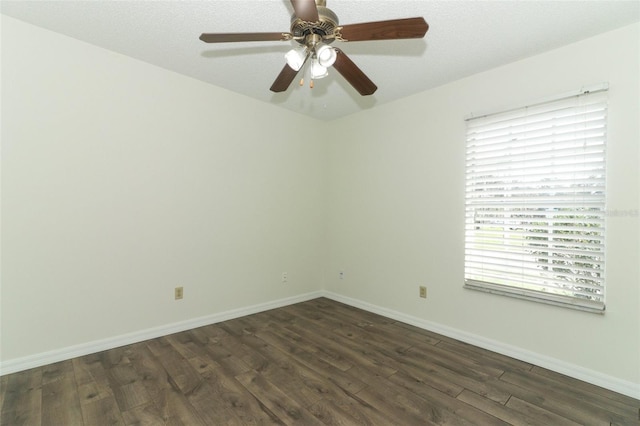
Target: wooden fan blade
x,y
284,79
232,37
353,74
385,30
306,10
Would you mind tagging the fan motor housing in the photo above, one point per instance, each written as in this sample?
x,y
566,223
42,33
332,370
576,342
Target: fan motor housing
x,y
325,27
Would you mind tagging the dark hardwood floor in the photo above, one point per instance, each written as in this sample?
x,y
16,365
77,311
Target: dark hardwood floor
x,y
317,362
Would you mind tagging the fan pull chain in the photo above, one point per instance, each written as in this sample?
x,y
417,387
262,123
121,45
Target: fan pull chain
x,y
311,84
302,82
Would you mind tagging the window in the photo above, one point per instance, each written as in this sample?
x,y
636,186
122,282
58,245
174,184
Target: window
x,y
535,201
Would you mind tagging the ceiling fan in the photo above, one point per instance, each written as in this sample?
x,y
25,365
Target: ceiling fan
x,y
314,27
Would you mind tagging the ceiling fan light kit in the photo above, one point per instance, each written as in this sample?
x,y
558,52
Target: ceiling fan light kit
x,y
314,27
326,55
296,57
317,70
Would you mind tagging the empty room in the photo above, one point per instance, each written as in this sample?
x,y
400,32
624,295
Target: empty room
x,y
320,212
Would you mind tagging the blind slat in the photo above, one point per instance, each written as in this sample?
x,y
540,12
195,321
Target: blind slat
x,y
592,136
546,284
592,253
531,263
539,168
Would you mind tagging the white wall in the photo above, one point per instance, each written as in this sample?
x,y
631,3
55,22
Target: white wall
x,y
396,208
121,180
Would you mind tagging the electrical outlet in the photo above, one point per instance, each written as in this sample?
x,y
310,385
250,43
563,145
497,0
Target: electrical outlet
x,y
341,274
178,293
423,292
285,277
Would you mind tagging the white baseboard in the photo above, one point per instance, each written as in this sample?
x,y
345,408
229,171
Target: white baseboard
x,y
590,376
599,379
57,355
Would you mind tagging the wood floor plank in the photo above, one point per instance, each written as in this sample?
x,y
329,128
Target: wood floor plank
x,y
173,408
147,414
181,373
319,318
259,323
150,372
279,315
419,334
23,399
471,367
541,415
444,408
308,384
193,344
496,409
3,388
113,357
224,351
60,400
128,391
563,402
309,344
340,349
278,402
4,380
413,364
288,341
175,384
374,336
480,383
397,406
485,357
330,413
398,335
187,345
316,362
156,397
605,398
237,327
575,383
245,359
517,411
355,408
211,408
292,377
91,379
103,411
57,371
328,370
210,333
97,402
357,316
247,325
431,374
223,390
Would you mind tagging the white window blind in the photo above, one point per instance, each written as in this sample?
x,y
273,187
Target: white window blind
x,y
535,201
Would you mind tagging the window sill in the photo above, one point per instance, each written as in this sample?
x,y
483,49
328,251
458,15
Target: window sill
x,y
536,296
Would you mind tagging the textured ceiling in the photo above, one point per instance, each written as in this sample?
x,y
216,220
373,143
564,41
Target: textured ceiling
x,y
465,37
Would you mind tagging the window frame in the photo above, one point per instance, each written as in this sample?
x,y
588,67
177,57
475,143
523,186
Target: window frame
x,y
590,298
